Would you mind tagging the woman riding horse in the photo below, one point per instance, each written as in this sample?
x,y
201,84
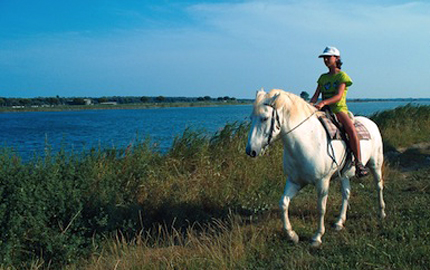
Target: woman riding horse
x,y
334,86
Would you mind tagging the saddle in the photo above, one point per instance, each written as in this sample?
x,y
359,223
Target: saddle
x,y
335,129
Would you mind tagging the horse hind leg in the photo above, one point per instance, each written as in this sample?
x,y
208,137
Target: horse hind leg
x,y
322,190
346,191
376,170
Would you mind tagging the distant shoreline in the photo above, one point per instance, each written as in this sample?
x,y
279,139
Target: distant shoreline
x,y
60,108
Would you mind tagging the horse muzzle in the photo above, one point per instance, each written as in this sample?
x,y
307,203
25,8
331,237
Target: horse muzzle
x,y
251,152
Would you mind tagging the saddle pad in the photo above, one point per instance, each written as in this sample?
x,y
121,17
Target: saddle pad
x,y
362,132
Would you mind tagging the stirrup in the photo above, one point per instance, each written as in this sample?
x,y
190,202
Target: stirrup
x,y
360,170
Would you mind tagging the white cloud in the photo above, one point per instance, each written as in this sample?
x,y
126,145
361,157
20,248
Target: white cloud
x,y
382,45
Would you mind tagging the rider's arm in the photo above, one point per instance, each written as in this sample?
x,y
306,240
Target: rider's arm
x,y
316,95
333,99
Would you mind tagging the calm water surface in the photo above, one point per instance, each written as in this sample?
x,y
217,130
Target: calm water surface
x,y
29,133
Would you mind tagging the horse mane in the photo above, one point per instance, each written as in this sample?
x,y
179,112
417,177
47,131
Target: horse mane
x,y
289,103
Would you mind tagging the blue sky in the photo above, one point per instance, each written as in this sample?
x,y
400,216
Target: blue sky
x,y
215,48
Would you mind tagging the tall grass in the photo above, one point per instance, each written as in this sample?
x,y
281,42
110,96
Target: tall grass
x,y
255,241
404,126
59,208
203,205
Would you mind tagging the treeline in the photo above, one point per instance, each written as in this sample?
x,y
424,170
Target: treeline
x,y
57,101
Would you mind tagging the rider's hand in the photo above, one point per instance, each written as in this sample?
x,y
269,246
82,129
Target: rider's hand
x,y
320,105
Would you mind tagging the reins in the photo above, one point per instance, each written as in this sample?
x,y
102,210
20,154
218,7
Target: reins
x,y
272,125
306,119
275,117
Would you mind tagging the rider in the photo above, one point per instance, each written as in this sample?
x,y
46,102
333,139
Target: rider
x,y
334,86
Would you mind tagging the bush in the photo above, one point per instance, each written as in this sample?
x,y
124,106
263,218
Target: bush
x,y
54,209
59,208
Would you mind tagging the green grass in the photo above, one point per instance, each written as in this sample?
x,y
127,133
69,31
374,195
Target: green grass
x,y
404,126
255,241
203,205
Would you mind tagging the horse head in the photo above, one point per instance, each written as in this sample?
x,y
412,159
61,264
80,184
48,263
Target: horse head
x,y
265,123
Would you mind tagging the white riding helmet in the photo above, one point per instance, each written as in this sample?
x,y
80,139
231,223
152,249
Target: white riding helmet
x,y
330,51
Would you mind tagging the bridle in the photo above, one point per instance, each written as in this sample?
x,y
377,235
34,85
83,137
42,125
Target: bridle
x,y
275,118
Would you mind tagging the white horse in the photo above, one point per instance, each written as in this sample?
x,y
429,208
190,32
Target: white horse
x,y
308,158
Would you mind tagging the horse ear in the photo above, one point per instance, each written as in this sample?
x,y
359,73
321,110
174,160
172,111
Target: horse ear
x,y
271,101
260,92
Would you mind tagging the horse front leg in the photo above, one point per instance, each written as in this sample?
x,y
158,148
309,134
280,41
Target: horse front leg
x,y
346,191
290,191
322,190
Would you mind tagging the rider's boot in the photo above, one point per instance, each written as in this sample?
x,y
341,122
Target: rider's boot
x,y
360,170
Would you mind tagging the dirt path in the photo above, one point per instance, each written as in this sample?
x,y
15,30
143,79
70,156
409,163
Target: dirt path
x,y
410,158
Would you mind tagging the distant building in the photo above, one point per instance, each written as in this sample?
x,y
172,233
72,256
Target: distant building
x,y
88,101
108,103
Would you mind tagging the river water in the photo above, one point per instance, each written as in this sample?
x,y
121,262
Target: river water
x,y
29,133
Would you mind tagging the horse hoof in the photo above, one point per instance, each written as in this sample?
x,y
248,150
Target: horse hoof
x,y
293,237
316,244
338,227
383,215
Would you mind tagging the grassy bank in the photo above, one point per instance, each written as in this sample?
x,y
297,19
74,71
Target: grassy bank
x,y
204,205
404,126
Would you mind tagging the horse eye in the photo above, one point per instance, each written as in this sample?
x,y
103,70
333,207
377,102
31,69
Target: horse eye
x,y
264,119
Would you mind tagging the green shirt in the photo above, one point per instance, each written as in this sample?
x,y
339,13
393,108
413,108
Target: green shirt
x,y
329,86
